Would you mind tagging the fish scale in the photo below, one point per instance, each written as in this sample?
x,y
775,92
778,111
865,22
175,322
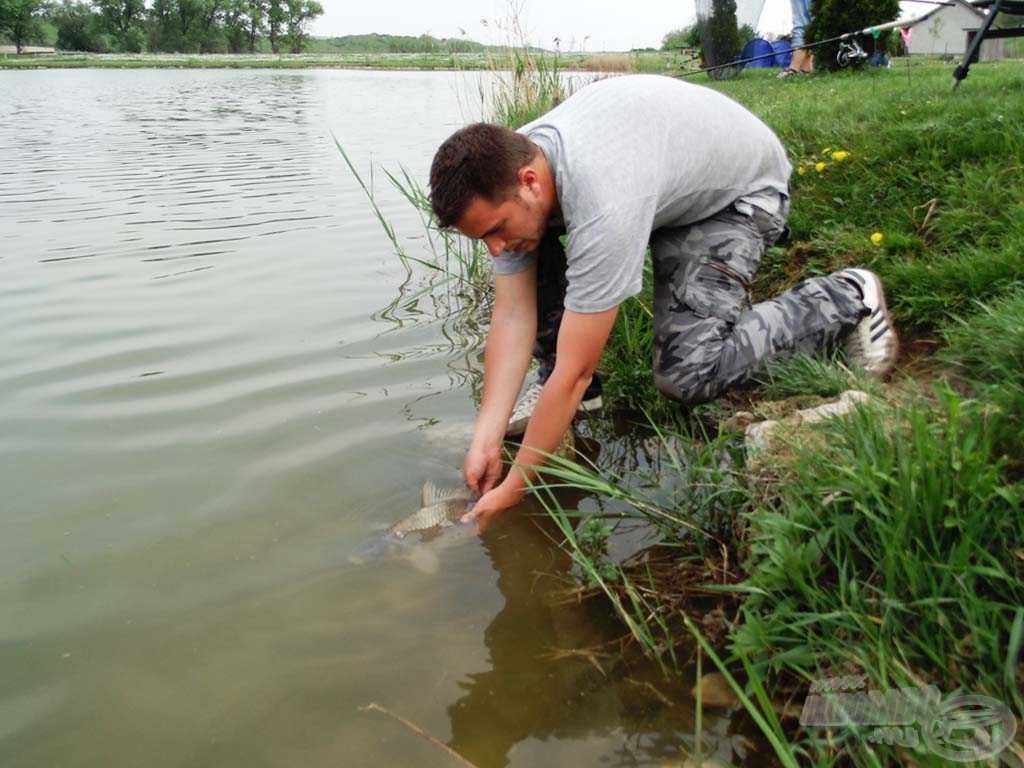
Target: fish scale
x,y
439,508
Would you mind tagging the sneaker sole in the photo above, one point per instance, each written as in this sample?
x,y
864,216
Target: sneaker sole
x,y
587,406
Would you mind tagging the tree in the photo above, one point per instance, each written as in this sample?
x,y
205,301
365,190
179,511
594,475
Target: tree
x,y
164,34
197,24
21,19
683,37
78,27
722,37
275,23
257,21
830,18
299,14
236,25
122,19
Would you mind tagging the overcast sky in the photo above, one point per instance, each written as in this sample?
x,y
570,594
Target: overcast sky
x,y
604,25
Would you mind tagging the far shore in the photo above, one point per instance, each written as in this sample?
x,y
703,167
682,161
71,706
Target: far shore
x,y
647,61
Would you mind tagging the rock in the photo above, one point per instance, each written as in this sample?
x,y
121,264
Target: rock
x,y
706,762
715,691
758,436
738,422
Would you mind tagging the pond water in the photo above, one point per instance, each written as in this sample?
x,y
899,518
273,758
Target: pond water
x,y
205,406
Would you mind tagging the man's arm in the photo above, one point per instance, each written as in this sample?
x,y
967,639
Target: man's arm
x,y
581,340
506,358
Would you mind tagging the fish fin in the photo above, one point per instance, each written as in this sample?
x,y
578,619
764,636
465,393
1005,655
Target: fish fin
x,y
432,495
428,493
425,560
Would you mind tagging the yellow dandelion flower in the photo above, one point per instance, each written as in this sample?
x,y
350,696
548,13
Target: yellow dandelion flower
x,y
819,167
801,170
877,238
839,155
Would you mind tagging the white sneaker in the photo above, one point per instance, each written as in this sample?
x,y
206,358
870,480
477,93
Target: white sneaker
x,y
527,402
872,344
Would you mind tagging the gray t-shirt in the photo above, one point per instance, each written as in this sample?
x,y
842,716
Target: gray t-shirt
x,y
635,153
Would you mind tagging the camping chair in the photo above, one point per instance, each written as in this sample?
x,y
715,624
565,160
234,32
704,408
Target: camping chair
x,y
986,32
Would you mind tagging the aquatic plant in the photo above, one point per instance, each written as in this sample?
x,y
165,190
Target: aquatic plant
x,y
527,81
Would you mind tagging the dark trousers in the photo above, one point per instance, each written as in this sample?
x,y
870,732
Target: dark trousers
x,y
551,284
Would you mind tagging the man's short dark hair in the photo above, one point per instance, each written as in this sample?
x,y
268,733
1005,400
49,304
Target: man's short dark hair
x,y
481,159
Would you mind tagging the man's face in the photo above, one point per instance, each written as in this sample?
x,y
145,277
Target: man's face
x,y
514,224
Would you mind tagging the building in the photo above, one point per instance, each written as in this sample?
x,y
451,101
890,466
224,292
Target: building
x,y
944,31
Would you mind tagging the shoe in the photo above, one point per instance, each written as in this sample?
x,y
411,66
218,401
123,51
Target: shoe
x,y
789,72
527,402
872,344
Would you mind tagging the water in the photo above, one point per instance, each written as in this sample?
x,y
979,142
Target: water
x,y
203,410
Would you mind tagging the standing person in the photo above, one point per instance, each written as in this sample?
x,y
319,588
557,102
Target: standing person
x,y
622,163
803,59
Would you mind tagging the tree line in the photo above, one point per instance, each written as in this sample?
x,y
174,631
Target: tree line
x,y
183,26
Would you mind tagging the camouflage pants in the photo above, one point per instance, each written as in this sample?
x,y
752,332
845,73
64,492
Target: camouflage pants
x,y
708,338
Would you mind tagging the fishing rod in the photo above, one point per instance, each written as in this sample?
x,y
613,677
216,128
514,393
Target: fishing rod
x,y
849,52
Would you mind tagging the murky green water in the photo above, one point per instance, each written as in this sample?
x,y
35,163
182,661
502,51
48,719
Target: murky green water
x,y
203,411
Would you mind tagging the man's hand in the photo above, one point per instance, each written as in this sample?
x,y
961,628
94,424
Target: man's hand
x,y
482,467
506,495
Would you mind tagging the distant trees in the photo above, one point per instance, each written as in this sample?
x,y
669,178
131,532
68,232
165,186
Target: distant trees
x,y
123,20
201,26
275,23
79,28
683,37
21,20
298,14
236,25
257,20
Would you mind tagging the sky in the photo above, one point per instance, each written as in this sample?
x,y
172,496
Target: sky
x,y
590,25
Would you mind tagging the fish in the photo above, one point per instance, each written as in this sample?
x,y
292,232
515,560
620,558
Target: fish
x,y
440,513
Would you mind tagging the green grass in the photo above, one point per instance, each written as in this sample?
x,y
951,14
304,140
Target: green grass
x,y
893,552
807,375
987,349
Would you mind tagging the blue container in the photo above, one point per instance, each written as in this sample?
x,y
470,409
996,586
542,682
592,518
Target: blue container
x,y
758,47
783,53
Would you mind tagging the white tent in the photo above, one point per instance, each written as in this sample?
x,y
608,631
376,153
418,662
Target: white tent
x,y
766,16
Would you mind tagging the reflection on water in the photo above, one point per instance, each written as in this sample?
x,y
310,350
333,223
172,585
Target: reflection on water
x,y
556,671
203,409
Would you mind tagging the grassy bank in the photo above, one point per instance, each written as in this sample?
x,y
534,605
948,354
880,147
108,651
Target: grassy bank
x,y
889,543
601,62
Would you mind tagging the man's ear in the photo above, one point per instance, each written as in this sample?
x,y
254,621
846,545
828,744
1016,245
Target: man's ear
x,y
529,178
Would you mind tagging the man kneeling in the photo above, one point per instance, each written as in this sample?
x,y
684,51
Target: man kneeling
x,y
567,206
